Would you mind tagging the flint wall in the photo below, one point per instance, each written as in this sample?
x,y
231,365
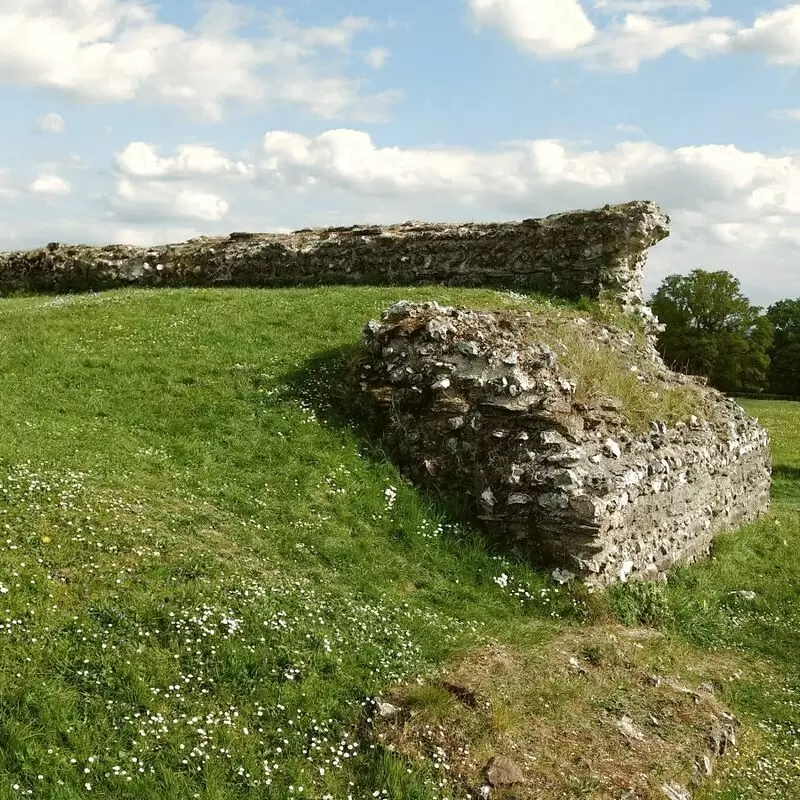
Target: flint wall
x,y
578,253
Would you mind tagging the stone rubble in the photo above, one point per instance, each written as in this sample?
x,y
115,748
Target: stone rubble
x,y
672,791
474,402
628,728
502,771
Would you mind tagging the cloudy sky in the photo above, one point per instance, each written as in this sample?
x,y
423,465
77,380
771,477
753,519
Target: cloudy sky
x,y
146,122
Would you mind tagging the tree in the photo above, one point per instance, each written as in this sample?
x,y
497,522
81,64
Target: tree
x,y
713,330
784,374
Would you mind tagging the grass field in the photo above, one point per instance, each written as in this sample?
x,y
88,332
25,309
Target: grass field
x,y
204,583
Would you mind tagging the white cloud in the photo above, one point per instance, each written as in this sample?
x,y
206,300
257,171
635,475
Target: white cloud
x,y
787,113
775,35
152,187
377,57
157,200
118,50
624,127
200,205
561,29
740,233
7,190
545,27
791,235
51,123
330,97
50,184
521,172
140,160
147,237
638,38
650,6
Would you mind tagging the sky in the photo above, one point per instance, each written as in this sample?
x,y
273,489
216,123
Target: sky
x,y
152,122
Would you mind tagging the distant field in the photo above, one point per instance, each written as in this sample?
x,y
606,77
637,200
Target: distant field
x,y
203,582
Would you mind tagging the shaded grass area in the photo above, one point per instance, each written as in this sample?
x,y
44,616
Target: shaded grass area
x,y
202,585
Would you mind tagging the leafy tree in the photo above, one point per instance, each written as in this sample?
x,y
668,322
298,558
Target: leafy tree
x,y
713,330
784,375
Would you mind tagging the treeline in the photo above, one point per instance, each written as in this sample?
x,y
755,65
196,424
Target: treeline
x,y
712,329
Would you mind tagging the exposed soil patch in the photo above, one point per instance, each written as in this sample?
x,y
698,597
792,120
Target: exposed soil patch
x,y
605,713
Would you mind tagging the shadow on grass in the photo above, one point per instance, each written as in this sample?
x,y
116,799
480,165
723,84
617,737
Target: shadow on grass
x,y
786,484
327,382
787,473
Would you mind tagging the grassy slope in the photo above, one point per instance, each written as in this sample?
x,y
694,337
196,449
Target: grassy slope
x,y
202,584
763,558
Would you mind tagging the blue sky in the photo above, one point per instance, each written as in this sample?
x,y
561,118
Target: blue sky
x,y
149,122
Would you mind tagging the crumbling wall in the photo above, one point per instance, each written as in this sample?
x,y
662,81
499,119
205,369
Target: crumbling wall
x,y
579,253
476,402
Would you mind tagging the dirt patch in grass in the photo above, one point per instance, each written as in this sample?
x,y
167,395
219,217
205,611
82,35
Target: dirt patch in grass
x,y
610,712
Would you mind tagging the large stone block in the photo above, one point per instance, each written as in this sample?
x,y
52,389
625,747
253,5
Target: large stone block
x,y
480,403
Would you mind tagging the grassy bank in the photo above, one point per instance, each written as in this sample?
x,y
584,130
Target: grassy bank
x,y
203,583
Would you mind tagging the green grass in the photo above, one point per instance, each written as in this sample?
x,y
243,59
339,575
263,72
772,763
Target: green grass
x,y
203,582
763,558
604,372
702,605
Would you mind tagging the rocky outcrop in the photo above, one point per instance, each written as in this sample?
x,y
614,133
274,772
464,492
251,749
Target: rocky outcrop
x,y
481,404
579,253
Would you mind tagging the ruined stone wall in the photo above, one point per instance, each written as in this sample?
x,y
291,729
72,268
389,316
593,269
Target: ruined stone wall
x,y
480,403
580,253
